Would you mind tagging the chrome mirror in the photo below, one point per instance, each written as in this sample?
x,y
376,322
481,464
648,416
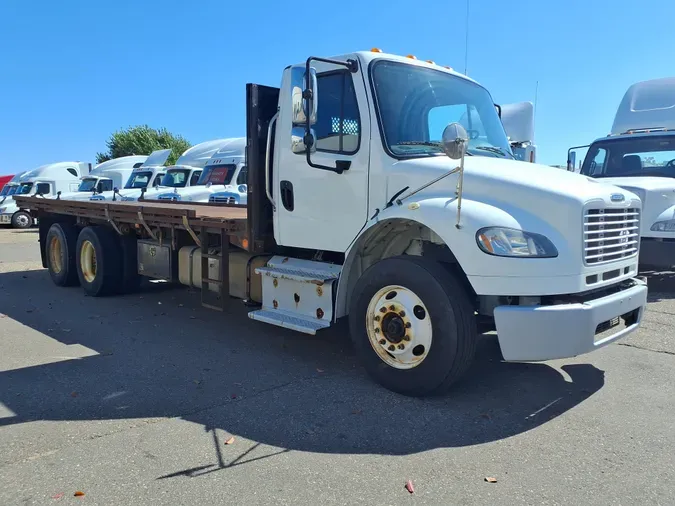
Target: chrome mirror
x,y
298,145
455,140
303,107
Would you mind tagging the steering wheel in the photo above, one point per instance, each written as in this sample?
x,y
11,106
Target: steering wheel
x,y
671,163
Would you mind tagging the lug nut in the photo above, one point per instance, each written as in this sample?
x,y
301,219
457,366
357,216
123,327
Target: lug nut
x,y
383,309
401,346
383,342
391,347
408,325
406,338
377,318
392,308
377,330
402,314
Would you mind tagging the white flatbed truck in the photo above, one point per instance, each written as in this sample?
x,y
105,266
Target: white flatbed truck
x,y
367,200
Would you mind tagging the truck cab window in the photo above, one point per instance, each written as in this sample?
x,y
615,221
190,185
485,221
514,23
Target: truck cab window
x,y
73,172
338,126
42,188
195,177
242,178
105,185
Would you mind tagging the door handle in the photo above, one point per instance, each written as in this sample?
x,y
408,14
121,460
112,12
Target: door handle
x,y
286,190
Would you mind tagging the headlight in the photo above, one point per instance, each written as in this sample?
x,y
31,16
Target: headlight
x,y
663,226
2,209
511,242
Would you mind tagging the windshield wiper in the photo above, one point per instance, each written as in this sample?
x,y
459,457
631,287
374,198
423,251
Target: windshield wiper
x,y
494,149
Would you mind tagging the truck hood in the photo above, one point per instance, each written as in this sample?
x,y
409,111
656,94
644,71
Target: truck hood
x,y
658,200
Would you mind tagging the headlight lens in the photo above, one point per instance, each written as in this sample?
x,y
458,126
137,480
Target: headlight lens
x,y
2,209
663,226
511,242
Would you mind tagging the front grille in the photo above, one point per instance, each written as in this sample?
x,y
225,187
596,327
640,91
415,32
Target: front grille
x,y
222,200
610,234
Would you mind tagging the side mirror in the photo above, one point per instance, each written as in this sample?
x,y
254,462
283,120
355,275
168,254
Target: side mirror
x,y
298,145
571,160
498,108
242,188
304,96
455,141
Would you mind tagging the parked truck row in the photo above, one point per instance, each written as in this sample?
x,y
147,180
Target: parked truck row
x,y
383,190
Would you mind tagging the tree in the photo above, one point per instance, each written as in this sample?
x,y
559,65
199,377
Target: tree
x,y
143,140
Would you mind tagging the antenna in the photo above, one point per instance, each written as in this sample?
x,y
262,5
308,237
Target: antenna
x,y
534,119
466,40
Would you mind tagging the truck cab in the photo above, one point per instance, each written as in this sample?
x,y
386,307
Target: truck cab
x,y
104,177
148,175
223,179
43,181
182,178
639,155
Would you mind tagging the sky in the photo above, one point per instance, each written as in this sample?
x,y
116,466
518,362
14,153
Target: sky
x,y
73,72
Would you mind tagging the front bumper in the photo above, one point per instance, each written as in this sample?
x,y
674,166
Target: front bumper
x,y
657,253
535,333
5,219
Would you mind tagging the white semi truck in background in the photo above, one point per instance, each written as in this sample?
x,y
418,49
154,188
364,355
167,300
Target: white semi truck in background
x,y
45,181
104,177
223,180
368,200
639,155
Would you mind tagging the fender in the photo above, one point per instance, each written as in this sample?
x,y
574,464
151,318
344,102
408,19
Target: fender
x,y
438,213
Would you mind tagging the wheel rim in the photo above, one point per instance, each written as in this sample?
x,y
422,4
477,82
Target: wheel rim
x,y
22,220
399,327
88,261
55,255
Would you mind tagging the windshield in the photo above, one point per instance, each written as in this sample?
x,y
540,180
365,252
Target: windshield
x,y
176,178
217,174
5,190
416,104
24,188
139,179
12,190
87,184
649,155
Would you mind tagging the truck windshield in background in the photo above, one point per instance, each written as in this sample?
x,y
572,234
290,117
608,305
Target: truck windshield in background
x,y
24,188
217,174
176,178
5,190
638,156
139,180
87,184
415,104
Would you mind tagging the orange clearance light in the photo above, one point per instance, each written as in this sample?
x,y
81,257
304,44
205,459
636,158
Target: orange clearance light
x,y
376,50
412,57
449,68
431,61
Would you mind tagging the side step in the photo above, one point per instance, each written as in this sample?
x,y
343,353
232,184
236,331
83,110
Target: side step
x,y
297,294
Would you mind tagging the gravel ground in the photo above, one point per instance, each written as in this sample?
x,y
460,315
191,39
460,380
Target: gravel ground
x,y
133,400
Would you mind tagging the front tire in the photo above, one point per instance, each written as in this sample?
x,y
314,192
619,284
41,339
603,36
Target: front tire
x,y
60,248
412,325
99,265
22,220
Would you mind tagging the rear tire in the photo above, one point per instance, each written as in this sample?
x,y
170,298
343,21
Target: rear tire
x,y
60,248
433,342
99,261
22,219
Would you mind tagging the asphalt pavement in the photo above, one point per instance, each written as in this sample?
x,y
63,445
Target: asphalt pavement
x,y
151,399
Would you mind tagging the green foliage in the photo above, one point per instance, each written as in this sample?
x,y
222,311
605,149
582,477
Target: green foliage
x,y
143,140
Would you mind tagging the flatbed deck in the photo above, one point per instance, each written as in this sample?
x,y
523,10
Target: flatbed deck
x,y
226,217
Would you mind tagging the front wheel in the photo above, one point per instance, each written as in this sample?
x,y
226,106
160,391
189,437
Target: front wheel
x,y
412,325
22,219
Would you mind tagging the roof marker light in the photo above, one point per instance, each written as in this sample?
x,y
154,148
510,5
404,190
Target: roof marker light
x,y
431,61
412,57
376,50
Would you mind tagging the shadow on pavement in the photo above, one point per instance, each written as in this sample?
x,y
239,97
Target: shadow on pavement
x,y
162,355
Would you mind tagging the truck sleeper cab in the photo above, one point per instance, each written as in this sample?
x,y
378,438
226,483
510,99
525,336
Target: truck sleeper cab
x,y
375,194
44,181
